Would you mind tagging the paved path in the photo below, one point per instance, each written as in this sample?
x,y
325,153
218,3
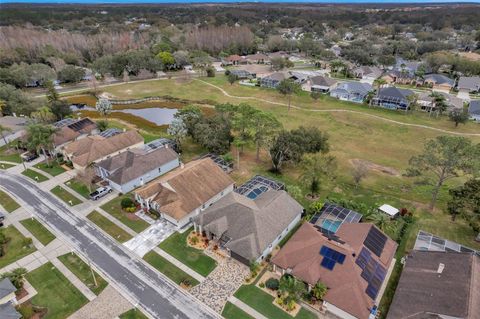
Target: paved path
x,y
339,110
155,293
252,312
150,237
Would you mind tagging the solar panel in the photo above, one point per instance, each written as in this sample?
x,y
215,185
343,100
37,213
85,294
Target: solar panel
x,y
363,258
328,263
110,132
330,257
375,241
64,122
80,125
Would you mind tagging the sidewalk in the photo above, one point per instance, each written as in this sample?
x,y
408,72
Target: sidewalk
x,y
240,304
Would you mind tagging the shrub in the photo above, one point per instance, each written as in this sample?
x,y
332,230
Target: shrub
x,y
272,284
131,209
262,285
194,240
27,242
127,202
210,72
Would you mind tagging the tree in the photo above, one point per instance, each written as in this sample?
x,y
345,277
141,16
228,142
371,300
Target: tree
x,y
40,138
44,115
4,129
465,201
440,103
167,59
288,87
103,106
178,130
210,71
315,167
16,276
315,95
52,94
61,109
243,123
214,133
190,116
359,172
382,221
278,63
232,78
265,126
15,101
102,125
444,158
458,116
291,287
71,74
319,290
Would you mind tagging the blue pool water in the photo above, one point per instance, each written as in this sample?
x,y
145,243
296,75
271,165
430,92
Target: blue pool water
x,y
257,191
331,226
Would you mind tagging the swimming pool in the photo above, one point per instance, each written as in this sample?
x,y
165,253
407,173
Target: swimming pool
x,y
330,225
257,191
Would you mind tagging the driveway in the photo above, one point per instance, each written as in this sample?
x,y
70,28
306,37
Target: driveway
x,y
150,237
139,283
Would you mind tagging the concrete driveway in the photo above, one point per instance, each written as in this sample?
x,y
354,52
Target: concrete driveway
x,y
150,237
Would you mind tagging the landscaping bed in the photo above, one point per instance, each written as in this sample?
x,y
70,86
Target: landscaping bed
x,y
38,230
64,195
55,292
170,270
53,168
80,269
8,202
132,221
37,177
17,247
109,227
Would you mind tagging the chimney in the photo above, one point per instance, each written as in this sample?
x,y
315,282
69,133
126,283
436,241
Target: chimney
x,y
440,268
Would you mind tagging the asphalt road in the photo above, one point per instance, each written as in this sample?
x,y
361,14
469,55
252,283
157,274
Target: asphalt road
x,y
151,290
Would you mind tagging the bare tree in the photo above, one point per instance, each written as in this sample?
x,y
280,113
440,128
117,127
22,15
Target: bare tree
x,y
86,177
359,172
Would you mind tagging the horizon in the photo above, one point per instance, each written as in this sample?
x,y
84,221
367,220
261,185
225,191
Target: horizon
x,y
421,2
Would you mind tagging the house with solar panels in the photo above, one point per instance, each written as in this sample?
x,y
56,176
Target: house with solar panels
x,y
69,130
354,260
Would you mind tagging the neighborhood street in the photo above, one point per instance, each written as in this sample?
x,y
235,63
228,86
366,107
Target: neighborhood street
x,y
143,286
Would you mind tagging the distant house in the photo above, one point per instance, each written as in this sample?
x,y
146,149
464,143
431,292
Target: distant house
x,y
426,101
336,49
393,98
474,110
410,67
95,148
438,285
351,91
258,58
319,83
136,167
7,292
16,126
243,74
439,82
367,73
249,229
274,79
467,85
69,130
186,192
353,263
278,54
398,77
233,60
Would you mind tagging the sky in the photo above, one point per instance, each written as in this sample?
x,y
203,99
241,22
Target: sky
x,y
226,1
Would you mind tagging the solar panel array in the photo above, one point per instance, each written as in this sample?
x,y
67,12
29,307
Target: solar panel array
x,y
373,273
64,122
110,132
375,241
223,164
258,185
80,125
429,242
335,215
331,257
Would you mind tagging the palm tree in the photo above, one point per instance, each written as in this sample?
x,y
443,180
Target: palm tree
x,y
44,115
382,221
2,130
40,138
319,290
288,87
291,287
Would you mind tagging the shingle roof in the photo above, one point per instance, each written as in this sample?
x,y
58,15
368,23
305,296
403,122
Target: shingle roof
x,y
346,287
134,163
422,290
277,76
395,92
439,79
354,87
6,287
474,107
91,148
7,311
471,83
251,225
322,81
179,192
72,131
371,71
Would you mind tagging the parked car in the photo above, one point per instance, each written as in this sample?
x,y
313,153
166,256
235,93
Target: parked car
x,y
29,156
100,192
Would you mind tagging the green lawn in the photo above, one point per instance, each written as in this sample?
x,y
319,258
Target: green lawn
x,y
109,227
38,230
53,169
79,187
6,166
55,292
168,269
133,314
13,157
80,269
16,248
230,311
34,175
8,202
176,245
64,195
262,302
113,208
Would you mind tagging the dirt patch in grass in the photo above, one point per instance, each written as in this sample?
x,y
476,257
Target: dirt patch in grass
x,y
375,167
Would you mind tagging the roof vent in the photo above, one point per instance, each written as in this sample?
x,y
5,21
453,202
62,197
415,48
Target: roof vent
x,y
440,268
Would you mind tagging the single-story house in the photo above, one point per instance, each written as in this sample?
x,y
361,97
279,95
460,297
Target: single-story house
x,y
16,128
278,54
186,192
399,77
410,67
354,264
95,148
351,91
453,102
367,73
242,74
389,210
474,110
468,84
136,167
438,285
258,58
393,98
319,83
8,311
274,79
426,101
439,82
249,229
7,292
233,60
72,130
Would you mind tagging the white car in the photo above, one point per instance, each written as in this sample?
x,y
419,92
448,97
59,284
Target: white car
x,y
100,192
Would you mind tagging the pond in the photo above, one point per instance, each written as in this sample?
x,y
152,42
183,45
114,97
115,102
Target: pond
x,y
157,115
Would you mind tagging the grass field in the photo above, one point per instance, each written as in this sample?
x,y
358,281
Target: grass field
x,y
55,292
230,311
176,245
79,187
133,314
64,195
6,166
262,302
80,269
53,169
109,227
168,269
8,202
113,208
37,177
8,155
38,230
16,248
